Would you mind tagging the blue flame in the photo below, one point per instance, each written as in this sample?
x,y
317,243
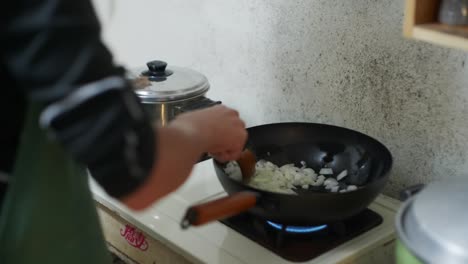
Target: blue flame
x,y
298,229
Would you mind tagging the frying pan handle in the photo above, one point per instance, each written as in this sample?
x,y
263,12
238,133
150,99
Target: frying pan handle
x,y
218,209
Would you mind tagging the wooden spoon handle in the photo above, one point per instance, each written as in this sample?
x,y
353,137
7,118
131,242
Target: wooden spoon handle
x,y
247,163
218,209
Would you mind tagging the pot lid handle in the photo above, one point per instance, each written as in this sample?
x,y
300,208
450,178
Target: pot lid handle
x,y
156,68
410,191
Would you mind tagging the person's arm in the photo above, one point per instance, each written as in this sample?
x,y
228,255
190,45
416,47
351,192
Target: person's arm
x,y
53,51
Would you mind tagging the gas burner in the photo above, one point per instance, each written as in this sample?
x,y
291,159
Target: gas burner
x,y
302,243
298,229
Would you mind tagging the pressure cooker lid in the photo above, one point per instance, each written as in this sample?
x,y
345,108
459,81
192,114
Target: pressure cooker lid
x,y
435,223
159,82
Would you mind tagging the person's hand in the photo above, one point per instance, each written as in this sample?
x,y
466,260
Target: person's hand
x,y
218,130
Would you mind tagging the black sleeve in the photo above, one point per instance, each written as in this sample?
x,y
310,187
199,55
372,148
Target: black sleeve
x,y
53,50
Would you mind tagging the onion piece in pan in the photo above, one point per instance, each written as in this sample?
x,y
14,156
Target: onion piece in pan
x,y
342,175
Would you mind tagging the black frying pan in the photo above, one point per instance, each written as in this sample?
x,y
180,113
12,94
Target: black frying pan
x,y
368,163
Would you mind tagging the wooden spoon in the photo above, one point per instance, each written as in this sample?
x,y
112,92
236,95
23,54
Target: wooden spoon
x,y
247,163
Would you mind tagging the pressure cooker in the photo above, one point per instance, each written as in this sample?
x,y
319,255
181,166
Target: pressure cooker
x,y
432,225
166,91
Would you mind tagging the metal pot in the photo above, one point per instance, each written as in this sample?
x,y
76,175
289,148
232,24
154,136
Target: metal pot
x,y
432,225
168,91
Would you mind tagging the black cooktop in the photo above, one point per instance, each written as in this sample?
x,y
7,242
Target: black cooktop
x,y
302,243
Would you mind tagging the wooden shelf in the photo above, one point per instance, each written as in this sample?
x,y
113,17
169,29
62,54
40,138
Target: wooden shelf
x,y
421,24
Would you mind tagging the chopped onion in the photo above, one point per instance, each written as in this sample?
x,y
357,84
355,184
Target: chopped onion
x,y
304,165
331,182
342,175
287,178
320,181
326,171
234,171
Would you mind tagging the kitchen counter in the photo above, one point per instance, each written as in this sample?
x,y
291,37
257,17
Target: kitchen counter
x,y
217,243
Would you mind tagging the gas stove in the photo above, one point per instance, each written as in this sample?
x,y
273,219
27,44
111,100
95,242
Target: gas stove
x,y
366,238
302,243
